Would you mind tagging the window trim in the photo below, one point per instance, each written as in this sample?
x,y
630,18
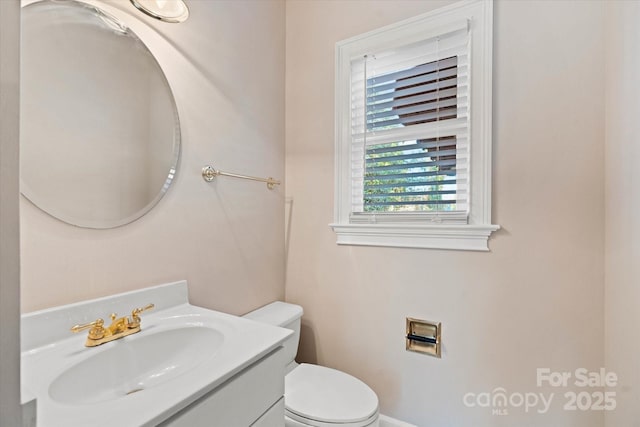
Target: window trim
x,y
471,236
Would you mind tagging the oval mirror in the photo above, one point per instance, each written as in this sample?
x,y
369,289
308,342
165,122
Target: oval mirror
x,y
100,136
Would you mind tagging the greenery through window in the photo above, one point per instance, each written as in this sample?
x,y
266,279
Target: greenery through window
x,y
415,175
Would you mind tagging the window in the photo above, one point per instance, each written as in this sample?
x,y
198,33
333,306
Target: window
x,y
413,132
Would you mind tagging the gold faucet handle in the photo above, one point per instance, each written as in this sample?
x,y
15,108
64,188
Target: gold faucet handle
x,y
96,332
135,315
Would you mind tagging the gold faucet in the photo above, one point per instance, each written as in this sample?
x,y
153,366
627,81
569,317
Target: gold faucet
x,y
120,327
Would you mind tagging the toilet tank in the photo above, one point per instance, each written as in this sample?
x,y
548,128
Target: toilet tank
x,y
284,315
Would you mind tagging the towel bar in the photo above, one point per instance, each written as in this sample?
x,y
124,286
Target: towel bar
x,y
209,173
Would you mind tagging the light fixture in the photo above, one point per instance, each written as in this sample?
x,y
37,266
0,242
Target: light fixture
x,y
165,10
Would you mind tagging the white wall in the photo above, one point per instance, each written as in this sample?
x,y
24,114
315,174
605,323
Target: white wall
x,y
10,411
622,310
535,300
226,68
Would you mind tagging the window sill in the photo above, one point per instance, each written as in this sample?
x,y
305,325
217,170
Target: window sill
x,y
437,236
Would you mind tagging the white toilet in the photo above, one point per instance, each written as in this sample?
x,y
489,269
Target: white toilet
x,y
315,395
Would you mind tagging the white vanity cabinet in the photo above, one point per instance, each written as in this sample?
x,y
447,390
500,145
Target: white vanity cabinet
x,y
253,397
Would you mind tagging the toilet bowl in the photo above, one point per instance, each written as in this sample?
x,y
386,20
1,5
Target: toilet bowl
x,y
316,395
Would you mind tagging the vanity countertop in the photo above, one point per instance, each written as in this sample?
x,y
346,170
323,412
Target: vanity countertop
x,y
174,374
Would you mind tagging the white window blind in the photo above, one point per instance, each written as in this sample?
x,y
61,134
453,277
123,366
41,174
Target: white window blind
x,y
410,130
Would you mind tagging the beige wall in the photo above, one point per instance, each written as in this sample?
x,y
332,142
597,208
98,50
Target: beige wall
x,y
535,300
10,412
226,68
622,293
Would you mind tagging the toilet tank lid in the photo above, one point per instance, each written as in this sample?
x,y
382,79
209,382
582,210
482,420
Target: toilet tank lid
x,y
277,313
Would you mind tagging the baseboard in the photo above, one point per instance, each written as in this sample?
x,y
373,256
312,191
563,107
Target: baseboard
x,y
392,422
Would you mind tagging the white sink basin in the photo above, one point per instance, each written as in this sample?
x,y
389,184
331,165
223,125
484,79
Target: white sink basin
x,y
133,366
182,353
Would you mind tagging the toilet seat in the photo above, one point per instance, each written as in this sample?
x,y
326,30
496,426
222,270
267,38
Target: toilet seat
x,y
320,396
294,420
